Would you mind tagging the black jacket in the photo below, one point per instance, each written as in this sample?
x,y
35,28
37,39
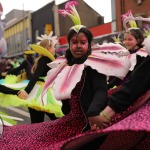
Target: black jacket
x,y
41,71
24,65
116,81
93,97
132,89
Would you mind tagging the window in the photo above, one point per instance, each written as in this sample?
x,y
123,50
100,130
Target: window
x,y
36,34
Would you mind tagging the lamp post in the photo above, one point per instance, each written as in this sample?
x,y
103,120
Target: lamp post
x,y
23,28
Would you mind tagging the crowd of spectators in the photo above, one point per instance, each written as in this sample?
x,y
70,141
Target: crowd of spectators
x,y
7,64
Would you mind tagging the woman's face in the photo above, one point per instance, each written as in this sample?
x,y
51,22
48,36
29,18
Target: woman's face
x,y
130,41
79,45
52,49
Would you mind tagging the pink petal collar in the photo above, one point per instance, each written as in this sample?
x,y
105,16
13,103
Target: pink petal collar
x,y
63,78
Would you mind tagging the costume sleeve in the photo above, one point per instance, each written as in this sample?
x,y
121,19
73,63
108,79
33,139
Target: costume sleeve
x,y
100,97
114,82
131,90
6,90
40,70
17,70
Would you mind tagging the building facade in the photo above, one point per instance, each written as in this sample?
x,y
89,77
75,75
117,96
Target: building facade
x,y
138,8
22,27
43,21
17,31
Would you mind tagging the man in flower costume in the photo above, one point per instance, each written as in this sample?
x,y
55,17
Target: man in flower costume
x,y
79,79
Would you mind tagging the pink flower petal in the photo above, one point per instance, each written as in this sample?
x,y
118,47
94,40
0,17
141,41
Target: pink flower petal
x,y
67,80
108,47
70,3
51,76
62,12
109,64
58,61
142,53
128,14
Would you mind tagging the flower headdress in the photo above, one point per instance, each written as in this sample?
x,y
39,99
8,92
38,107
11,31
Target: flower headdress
x,y
128,18
147,39
146,32
116,38
142,19
48,37
71,11
41,50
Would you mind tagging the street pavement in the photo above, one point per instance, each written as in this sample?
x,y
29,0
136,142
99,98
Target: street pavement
x,y
20,112
17,112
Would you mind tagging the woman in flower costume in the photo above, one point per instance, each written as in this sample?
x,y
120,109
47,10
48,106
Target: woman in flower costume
x,y
133,41
32,92
79,79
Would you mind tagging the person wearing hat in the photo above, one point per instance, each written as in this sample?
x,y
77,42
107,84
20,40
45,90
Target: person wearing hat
x,y
25,66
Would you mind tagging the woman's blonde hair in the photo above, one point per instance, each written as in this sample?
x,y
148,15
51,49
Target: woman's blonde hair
x,y
46,44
